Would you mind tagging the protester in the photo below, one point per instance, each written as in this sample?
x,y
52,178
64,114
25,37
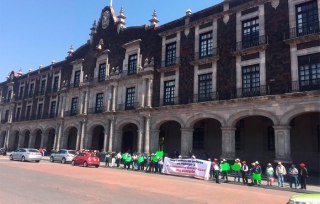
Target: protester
x,y
160,165
216,169
211,169
134,161
148,168
142,164
293,172
269,173
40,150
303,176
224,172
118,159
106,159
43,151
113,160
237,172
280,172
258,170
244,172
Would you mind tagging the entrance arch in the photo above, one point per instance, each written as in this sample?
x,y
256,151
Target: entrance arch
x,y
72,138
51,137
26,139
3,138
37,142
97,138
13,144
129,138
170,138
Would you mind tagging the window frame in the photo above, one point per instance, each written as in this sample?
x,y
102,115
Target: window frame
x,y
313,66
198,138
252,75
208,42
53,109
169,93
31,90
55,83
301,28
102,72
74,106
76,81
99,102
28,111
43,87
251,39
171,54
130,98
207,84
132,64
40,110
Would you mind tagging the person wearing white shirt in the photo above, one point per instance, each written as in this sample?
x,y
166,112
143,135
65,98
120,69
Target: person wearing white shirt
x,y
244,172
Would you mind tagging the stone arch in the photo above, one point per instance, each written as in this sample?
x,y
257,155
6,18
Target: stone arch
x,y
242,114
160,120
15,129
69,126
289,115
35,130
47,129
24,130
191,121
120,125
94,124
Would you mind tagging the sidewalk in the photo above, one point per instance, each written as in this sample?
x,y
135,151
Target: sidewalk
x,y
310,188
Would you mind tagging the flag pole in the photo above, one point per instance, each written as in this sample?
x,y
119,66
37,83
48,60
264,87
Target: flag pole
x,y
110,2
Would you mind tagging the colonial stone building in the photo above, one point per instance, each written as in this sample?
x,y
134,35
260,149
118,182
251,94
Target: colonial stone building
x,y
238,79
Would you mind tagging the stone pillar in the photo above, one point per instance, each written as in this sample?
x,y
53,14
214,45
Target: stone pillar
x,y
282,144
149,90
228,143
56,132
21,140
147,136
140,134
85,103
83,142
186,141
143,93
114,92
81,102
79,135
61,111
118,140
111,133
106,133
1,113
154,141
44,141
32,140
107,99
58,144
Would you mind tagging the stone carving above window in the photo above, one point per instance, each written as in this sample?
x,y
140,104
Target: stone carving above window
x,y
105,19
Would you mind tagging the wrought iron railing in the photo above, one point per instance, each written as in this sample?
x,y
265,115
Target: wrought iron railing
x,y
302,31
96,110
171,62
71,113
300,86
250,92
122,107
201,55
262,40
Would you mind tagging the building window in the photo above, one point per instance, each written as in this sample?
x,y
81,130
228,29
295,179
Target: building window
x,y
205,87
250,79
198,138
21,92
39,114
271,139
250,33
31,91
43,87
76,79
307,18
237,139
53,109
309,72
18,113
28,112
205,45
6,116
74,106
102,72
99,103
132,68
55,83
130,95
169,88
171,54
9,94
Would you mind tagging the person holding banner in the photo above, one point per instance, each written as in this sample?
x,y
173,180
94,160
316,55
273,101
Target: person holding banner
x,y
252,169
134,161
236,167
224,168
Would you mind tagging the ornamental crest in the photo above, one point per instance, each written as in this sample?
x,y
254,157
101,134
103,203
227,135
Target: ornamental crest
x,y
105,19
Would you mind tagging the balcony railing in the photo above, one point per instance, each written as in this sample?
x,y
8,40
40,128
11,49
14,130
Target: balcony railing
x,y
170,62
122,107
198,55
297,86
214,96
25,118
251,92
302,31
40,93
98,80
5,100
52,90
36,117
30,95
4,121
125,73
18,98
51,115
96,110
262,40
71,113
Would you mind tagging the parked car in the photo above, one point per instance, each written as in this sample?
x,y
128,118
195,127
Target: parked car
x,y
86,159
3,151
26,154
63,156
305,198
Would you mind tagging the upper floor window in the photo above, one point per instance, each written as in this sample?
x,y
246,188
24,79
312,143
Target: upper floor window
x,y
31,91
130,96
9,94
102,72
6,117
250,33
307,18
28,112
205,87
99,103
55,83
43,87
39,114
53,109
171,54
309,72
18,113
76,78
205,45
132,67
74,106
169,89
250,79
21,92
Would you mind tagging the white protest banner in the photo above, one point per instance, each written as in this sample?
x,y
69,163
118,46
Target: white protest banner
x,y
187,167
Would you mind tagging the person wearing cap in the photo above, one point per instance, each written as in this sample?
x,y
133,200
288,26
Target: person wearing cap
x,y
244,172
303,176
280,172
237,172
269,173
293,172
257,170
252,169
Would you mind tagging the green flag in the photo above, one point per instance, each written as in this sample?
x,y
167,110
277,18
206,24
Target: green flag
x,y
155,158
236,167
140,159
256,176
159,153
225,167
128,159
124,156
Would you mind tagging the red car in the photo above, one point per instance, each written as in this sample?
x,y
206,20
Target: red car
x,y
86,159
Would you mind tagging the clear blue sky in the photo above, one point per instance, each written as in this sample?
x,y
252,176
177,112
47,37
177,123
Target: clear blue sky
x,y
35,32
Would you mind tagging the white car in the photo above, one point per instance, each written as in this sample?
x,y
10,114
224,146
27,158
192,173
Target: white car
x,y
305,198
26,154
63,156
